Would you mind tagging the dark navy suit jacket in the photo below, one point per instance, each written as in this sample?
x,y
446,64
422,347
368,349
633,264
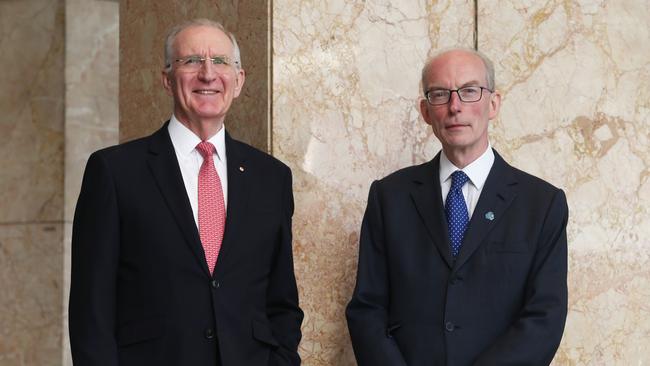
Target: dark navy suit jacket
x,y
141,292
502,301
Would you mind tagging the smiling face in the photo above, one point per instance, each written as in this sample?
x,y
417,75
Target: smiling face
x,y
461,127
203,96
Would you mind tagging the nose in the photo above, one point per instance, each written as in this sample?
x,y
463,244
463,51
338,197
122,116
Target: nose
x,y
207,72
454,102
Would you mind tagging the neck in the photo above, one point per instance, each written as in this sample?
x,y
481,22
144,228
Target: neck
x,y
463,157
203,129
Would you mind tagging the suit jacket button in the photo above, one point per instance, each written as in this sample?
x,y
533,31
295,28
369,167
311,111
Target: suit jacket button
x,y
449,326
215,284
209,333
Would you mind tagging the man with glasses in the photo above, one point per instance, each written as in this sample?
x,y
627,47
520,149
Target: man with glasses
x,y
463,259
181,247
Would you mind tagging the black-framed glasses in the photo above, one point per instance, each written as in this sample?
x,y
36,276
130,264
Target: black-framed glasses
x,y
194,62
467,94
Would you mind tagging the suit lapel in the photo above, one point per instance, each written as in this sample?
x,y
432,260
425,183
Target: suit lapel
x,y
427,198
164,166
238,173
497,194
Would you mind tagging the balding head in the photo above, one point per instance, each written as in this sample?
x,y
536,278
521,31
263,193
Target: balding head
x,y
489,66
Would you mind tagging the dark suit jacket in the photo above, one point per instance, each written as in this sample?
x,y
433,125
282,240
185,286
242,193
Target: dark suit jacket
x,y
141,292
502,301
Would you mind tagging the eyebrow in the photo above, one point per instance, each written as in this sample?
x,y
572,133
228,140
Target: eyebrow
x,y
468,83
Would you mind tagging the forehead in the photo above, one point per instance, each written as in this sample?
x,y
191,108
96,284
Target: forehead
x,y
202,40
455,69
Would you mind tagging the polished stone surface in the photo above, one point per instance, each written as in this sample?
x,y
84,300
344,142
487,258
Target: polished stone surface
x,y
576,83
91,83
345,93
31,264
31,182
31,106
575,78
345,79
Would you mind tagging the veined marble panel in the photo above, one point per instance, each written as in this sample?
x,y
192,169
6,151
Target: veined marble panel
x,y
31,106
346,79
31,262
91,82
576,111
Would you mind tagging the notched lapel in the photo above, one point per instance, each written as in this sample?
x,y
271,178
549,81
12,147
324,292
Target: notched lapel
x,y
499,191
238,180
427,198
166,171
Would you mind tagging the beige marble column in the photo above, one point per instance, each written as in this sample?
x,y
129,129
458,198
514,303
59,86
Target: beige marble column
x,y
31,181
576,82
144,106
345,92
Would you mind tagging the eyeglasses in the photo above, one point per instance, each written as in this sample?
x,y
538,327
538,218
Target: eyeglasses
x,y
468,94
193,63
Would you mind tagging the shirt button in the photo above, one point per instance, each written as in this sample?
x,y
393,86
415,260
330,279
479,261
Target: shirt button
x,y
449,326
209,333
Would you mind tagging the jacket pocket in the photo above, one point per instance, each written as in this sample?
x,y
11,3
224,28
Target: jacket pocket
x,y
262,332
139,331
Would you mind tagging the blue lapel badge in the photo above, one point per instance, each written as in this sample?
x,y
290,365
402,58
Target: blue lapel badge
x,y
489,215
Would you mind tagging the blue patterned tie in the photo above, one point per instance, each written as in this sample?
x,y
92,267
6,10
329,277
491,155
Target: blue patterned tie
x,y
456,211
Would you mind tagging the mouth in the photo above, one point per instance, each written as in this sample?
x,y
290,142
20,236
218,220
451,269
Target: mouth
x,y
455,126
206,91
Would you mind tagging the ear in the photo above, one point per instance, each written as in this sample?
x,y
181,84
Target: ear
x,y
239,80
495,104
167,81
424,110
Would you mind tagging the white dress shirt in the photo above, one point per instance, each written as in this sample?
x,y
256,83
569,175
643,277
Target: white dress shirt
x,y
190,160
477,171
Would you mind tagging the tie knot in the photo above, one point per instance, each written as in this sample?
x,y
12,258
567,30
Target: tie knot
x,y
458,179
205,149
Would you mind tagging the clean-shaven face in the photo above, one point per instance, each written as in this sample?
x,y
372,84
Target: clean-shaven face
x,y
207,93
461,127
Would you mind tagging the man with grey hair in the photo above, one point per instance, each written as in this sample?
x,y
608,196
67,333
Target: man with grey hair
x,y
181,244
463,259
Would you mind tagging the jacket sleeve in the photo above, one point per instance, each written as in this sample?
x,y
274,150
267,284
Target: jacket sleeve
x,y
367,312
283,309
533,338
95,251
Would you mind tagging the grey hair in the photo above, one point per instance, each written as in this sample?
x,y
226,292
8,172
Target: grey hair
x,y
201,22
489,66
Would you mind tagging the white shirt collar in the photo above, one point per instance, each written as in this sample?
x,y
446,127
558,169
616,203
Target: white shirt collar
x,y
185,141
477,171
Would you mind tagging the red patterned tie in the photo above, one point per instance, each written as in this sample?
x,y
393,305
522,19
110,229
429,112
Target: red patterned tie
x,y
212,211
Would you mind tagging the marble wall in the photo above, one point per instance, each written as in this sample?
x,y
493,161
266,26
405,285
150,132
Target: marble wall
x,y
576,82
144,105
339,105
58,102
31,181
345,91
